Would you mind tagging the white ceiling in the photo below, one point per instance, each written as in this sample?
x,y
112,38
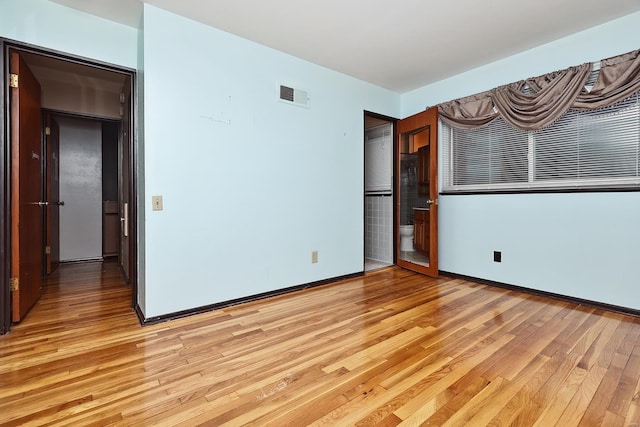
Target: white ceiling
x,y
399,45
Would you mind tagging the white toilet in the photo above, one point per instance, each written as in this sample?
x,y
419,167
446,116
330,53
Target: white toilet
x,y
406,238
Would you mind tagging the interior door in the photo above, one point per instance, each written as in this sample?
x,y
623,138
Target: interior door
x,y
27,207
52,220
416,200
124,166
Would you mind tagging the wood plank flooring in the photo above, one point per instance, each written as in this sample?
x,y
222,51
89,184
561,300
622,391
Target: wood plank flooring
x,y
391,348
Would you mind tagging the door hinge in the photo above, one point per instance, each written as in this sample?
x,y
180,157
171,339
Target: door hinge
x,y
14,282
13,80
47,130
47,250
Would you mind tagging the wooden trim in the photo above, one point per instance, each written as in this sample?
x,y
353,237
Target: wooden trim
x,y
432,120
378,195
140,314
13,183
132,277
198,310
127,281
94,117
590,303
380,116
414,123
56,54
5,293
83,260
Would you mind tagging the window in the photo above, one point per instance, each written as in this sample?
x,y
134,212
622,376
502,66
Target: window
x,y
583,149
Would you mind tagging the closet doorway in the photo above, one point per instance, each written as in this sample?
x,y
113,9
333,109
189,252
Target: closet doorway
x,y
87,164
64,89
379,163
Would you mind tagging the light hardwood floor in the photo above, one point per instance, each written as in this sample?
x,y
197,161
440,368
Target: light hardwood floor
x,y
391,348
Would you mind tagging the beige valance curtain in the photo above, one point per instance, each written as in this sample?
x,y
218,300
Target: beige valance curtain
x,y
537,102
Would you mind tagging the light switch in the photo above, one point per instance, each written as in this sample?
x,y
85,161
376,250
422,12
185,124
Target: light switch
x,y
156,203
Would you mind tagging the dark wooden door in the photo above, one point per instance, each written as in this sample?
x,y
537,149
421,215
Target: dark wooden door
x,y
52,220
124,184
418,137
431,232
27,206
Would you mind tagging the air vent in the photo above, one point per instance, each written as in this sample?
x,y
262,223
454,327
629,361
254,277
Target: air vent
x,y
294,96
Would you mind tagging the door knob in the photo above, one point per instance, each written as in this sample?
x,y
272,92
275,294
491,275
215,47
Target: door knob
x,y
432,202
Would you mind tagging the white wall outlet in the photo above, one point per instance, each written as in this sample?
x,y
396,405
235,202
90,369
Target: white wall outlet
x,y
156,203
314,257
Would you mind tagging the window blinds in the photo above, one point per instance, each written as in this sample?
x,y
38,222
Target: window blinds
x,y
582,149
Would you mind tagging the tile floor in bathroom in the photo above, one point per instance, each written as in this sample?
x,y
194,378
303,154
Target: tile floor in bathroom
x,y
374,264
415,257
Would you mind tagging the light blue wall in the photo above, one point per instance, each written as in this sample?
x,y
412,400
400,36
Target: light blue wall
x,y
250,185
50,25
577,244
583,245
139,166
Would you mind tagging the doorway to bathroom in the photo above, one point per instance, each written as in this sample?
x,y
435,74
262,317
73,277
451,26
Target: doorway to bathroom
x,y
417,192
379,221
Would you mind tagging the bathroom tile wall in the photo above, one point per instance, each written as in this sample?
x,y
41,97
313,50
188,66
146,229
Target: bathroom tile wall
x,y
379,228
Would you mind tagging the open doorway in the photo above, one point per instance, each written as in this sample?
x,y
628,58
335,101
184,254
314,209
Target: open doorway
x,y
67,93
379,245
417,192
86,171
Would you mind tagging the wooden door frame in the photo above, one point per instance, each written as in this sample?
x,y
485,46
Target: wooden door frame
x,y
5,161
48,125
5,235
